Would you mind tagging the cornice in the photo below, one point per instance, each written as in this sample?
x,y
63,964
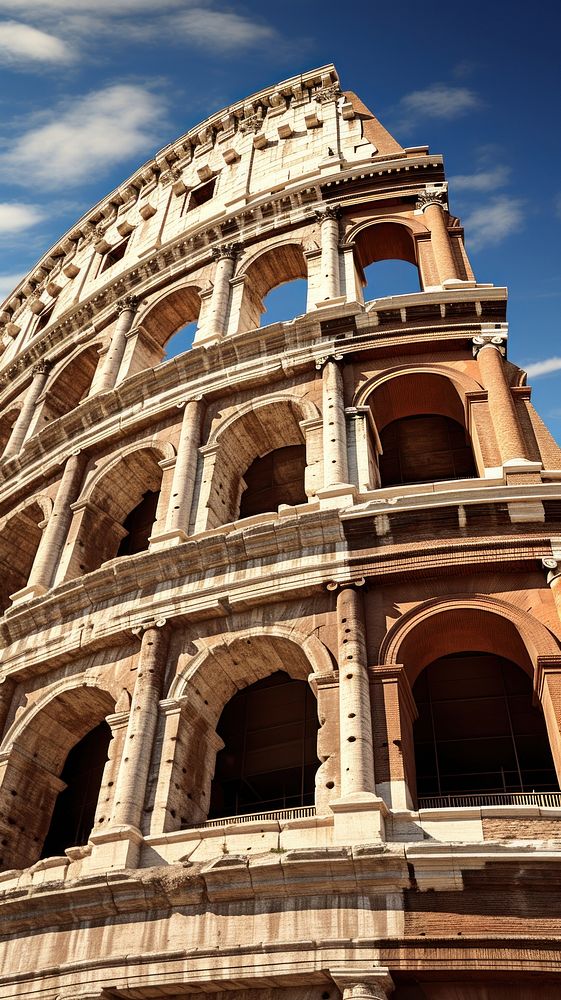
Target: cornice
x,y
297,873
272,559
195,249
267,354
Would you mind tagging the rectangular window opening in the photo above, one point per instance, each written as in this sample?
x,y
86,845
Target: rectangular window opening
x,y
114,255
200,195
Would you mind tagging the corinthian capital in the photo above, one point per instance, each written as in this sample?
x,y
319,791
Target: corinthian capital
x,y
489,340
127,303
228,251
41,368
329,212
427,198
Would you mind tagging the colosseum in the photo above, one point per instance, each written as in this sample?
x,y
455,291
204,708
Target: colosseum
x,y
280,617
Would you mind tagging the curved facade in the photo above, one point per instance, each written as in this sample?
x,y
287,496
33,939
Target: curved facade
x,y
280,636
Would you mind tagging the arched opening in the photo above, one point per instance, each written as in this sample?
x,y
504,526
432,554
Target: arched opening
x,y
120,517
390,277
285,302
422,449
180,341
69,387
170,324
138,525
421,423
273,479
74,812
386,259
272,269
478,731
40,750
19,541
269,757
259,463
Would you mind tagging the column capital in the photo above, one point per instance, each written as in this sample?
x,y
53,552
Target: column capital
x,y
228,251
370,984
42,367
321,362
140,630
552,567
127,303
432,197
327,212
346,584
498,341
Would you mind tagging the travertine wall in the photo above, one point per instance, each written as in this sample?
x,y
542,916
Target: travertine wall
x,y
355,590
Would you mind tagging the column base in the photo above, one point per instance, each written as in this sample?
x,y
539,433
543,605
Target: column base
x,y
28,593
358,818
175,536
114,850
363,984
207,338
337,495
339,300
521,465
395,794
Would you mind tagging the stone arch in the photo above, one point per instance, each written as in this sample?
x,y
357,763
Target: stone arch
x,y
433,404
20,535
169,312
69,383
315,652
463,624
36,747
247,433
110,496
259,273
391,237
464,384
223,667
438,627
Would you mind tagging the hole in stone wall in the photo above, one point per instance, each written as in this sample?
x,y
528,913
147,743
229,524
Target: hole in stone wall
x,y
114,255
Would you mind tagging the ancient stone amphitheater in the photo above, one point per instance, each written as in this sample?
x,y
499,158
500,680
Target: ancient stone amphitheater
x,y
280,636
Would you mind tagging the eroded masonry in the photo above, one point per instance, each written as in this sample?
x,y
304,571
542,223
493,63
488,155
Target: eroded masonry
x,y
280,613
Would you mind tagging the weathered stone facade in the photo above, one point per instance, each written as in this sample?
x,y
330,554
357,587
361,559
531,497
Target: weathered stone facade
x,y
348,503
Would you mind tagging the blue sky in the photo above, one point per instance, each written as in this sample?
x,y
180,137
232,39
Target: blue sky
x,y
92,88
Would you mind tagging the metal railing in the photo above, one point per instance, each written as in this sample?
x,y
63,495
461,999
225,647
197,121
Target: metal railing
x,y
300,812
551,799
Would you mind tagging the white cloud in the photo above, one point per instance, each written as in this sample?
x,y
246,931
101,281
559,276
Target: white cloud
x,y
41,8
7,284
543,367
85,136
15,217
482,180
221,30
491,223
20,43
437,101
